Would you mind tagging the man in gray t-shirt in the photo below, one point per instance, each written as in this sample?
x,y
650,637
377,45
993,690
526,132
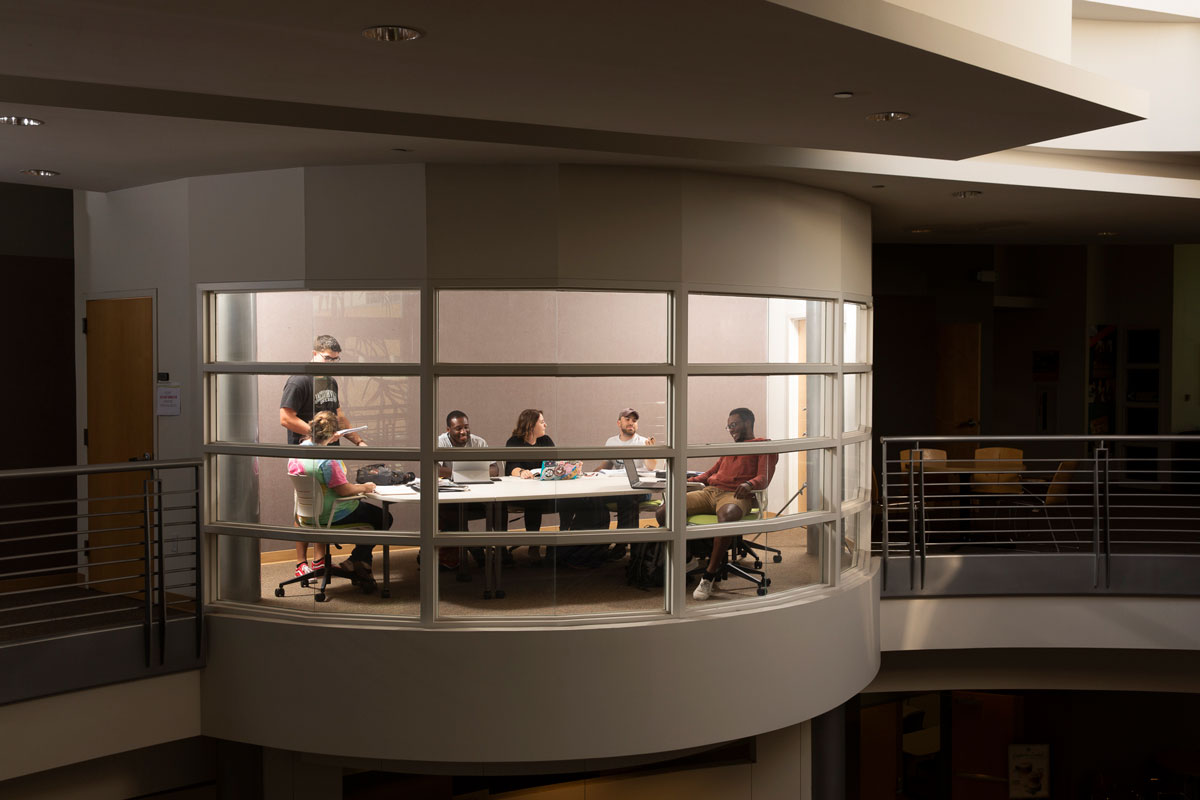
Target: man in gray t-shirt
x,y
458,434
627,504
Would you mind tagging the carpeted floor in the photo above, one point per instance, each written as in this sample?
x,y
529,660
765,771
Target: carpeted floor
x,y
543,590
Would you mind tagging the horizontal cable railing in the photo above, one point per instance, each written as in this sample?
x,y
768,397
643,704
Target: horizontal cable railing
x,y
1121,511
102,547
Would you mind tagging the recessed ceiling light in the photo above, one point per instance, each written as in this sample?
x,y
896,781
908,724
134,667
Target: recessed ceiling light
x,y
843,95
888,116
39,173
1107,233
391,33
921,230
10,119
966,194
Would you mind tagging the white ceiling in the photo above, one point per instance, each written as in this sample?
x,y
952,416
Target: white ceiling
x,y
141,91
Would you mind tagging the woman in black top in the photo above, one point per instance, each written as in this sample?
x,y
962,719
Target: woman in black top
x,y
530,432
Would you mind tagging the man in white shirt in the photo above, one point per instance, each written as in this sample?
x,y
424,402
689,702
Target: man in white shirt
x,y
627,505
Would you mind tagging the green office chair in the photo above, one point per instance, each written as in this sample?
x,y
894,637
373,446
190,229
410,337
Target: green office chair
x,y
740,546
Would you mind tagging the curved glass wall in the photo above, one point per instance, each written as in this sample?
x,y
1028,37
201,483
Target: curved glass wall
x,y
555,456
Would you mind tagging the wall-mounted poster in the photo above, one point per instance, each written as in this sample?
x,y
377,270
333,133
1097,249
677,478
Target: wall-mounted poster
x,y
1102,376
1028,770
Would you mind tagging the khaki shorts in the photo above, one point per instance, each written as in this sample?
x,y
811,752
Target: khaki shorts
x,y
710,498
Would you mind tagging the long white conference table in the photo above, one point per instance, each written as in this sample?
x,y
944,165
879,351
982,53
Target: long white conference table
x,y
496,496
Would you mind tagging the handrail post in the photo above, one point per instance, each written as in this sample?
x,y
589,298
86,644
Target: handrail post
x,y
160,536
1096,457
921,546
1107,530
147,572
912,522
198,561
884,533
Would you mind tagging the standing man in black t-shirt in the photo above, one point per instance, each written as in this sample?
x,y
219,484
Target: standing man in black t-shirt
x,y
303,397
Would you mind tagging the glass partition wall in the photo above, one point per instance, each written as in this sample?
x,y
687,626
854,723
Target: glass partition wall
x,y
541,444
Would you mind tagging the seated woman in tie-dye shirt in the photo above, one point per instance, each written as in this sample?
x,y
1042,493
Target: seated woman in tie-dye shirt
x,y
330,474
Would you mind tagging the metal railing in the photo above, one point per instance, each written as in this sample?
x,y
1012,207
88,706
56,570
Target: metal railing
x,y
1039,514
86,550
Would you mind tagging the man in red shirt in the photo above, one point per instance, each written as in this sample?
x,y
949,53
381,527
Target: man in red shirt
x,y
728,492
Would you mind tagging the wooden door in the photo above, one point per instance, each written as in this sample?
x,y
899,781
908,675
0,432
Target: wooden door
x,y
957,390
120,425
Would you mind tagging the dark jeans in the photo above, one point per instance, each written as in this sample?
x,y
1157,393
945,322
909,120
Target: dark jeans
x,y
628,509
534,509
372,515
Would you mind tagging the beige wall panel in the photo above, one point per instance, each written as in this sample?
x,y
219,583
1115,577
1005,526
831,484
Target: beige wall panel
x,y
247,227
365,222
748,232
492,222
779,769
68,728
132,239
856,247
136,241
824,649
619,224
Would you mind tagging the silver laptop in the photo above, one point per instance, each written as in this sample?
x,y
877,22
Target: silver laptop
x,y
638,482
467,472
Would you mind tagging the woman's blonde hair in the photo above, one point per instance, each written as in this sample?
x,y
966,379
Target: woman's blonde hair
x,y
526,421
323,427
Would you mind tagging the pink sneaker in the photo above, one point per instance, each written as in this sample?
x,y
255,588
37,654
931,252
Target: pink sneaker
x,y
303,569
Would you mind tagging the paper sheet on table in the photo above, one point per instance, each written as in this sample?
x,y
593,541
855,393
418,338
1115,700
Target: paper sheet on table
x,y
394,490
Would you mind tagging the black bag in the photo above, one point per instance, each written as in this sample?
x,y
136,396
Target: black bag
x,y
382,475
647,565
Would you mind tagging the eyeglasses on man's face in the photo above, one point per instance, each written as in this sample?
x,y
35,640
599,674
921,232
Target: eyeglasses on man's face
x,y
330,356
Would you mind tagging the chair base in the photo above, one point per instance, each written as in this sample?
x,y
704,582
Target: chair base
x,y
324,573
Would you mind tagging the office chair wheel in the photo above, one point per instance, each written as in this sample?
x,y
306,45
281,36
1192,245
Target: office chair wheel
x,y
757,564
304,583
777,558
499,594
766,581
761,591
319,597
279,591
368,587
385,593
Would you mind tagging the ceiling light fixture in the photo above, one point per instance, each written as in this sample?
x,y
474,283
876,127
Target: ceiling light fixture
x,y
921,230
391,33
39,173
843,95
10,119
1107,233
888,116
966,194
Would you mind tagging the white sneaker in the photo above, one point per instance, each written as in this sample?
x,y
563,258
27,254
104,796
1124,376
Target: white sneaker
x,y
704,590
